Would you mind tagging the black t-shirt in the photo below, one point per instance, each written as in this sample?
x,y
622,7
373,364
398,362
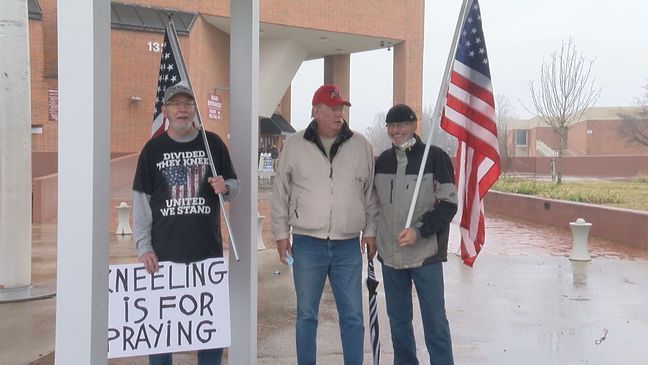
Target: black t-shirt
x,y
185,209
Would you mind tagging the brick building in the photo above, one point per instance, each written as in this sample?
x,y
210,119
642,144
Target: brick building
x,y
597,133
291,31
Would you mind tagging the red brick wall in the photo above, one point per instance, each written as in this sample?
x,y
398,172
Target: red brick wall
x,y
206,50
42,59
618,225
605,139
588,166
49,38
380,18
209,70
408,55
134,71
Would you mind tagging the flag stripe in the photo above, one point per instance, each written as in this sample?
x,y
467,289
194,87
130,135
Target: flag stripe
x,y
469,115
474,76
459,130
460,83
470,119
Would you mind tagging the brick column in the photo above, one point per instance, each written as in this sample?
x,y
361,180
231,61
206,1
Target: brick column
x,y
337,71
408,60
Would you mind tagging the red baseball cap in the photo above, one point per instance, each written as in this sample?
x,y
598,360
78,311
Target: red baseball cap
x,y
329,95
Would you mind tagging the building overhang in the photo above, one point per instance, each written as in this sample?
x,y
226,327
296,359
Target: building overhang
x,y
276,125
318,43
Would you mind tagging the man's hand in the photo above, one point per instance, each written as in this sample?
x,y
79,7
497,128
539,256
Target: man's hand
x,y
218,184
150,262
407,237
370,244
284,249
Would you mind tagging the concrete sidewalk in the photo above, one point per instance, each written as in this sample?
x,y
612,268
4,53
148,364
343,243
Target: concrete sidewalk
x,y
523,302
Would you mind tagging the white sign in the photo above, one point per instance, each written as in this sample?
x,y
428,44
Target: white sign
x,y
154,46
179,308
214,106
265,162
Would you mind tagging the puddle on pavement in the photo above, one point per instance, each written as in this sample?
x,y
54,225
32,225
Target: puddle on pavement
x,y
506,236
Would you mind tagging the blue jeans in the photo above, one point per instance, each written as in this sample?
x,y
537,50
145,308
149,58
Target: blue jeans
x,y
341,261
428,280
205,357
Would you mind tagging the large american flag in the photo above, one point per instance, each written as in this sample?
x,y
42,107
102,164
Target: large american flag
x,y
172,71
469,115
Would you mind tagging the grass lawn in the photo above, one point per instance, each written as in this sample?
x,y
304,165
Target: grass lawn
x,y
631,194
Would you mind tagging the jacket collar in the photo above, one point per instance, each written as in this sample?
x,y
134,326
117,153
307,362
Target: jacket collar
x,y
311,132
311,135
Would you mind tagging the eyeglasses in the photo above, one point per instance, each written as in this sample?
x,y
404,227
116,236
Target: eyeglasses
x,y
186,104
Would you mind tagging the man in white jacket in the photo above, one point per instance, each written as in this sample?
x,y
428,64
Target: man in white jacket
x,y
323,191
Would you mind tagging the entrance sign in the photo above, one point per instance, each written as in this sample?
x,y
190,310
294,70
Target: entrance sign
x,y
179,308
265,163
214,106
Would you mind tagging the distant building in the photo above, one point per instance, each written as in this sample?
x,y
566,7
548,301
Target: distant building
x,y
598,133
290,32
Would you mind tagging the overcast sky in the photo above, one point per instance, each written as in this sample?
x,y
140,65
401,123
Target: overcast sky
x,y
519,34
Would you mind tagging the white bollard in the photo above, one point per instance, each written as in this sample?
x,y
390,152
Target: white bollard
x,y
580,230
260,244
123,225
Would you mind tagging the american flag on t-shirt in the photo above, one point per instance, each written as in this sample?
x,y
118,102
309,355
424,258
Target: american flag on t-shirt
x,y
469,115
172,71
184,181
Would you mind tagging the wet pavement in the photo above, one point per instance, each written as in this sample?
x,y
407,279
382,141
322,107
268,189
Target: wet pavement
x,y
523,302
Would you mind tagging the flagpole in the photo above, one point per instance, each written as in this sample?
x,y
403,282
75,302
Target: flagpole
x,y
171,31
440,102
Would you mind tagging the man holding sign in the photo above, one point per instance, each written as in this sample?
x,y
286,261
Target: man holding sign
x,y
176,213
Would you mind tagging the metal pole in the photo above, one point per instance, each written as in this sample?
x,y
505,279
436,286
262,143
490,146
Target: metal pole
x,y
440,102
172,33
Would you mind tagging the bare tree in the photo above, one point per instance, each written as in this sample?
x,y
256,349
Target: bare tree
x,y
440,138
635,126
376,134
565,93
504,114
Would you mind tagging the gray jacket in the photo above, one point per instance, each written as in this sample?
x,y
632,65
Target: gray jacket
x,y
396,173
322,197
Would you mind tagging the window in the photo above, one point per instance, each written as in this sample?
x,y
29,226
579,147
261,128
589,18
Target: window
x,y
521,137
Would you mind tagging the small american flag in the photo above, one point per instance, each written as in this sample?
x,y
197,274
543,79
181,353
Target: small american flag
x,y
172,71
469,115
184,181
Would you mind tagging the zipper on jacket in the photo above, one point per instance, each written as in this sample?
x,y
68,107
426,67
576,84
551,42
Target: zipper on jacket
x,y
391,192
295,210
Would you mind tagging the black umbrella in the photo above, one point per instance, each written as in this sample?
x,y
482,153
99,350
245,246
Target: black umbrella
x,y
374,330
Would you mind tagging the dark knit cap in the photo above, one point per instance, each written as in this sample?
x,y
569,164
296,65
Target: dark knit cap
x,y
400,113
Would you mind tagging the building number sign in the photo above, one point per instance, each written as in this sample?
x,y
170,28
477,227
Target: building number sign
x,y
154,47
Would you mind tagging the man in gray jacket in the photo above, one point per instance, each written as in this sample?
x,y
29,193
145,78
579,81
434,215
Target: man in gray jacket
x,y
323,191
414,254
